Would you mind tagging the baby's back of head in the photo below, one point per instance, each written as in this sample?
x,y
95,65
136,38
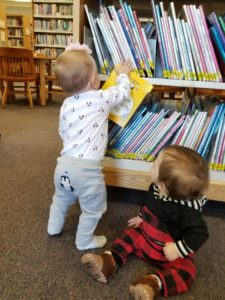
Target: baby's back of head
x,y
184,173
73,70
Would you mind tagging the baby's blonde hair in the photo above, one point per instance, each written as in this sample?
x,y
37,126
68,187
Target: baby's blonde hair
x,y
74,70
184,173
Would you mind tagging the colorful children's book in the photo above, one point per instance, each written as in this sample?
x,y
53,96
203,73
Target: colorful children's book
x,y
140,87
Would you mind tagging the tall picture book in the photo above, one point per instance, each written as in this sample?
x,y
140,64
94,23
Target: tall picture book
x,y
122,113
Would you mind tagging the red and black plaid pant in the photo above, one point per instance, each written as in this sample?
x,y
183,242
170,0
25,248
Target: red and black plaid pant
x,y
176,276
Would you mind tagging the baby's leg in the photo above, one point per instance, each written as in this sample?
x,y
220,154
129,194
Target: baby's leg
x,y
63,198
177,276
101,267
58,213
92,198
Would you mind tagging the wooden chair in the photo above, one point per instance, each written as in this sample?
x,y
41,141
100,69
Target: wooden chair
x,y
52,84
17,66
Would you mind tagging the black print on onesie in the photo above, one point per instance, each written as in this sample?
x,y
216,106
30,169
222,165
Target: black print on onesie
x,y
65,182
101,109
88,103
77,97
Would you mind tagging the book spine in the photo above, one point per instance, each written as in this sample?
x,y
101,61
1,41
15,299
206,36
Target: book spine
x,y
222,23
202,40
210,43
144,42
179,71
218,42
142,132
221,153
197,43
161,52
193,73
172,46
213,129
125,44
212,18
205,136
215,149
181,51
187,74
168,137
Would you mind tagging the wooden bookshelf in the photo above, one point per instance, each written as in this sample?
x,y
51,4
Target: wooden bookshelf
x,y
3,31
135,174
18,31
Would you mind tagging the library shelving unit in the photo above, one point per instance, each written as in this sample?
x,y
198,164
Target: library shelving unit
x,y
135,174
57,23
3,31
18,31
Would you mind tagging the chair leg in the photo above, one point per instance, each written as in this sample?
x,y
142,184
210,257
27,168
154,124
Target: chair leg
x,y
5,94
29,95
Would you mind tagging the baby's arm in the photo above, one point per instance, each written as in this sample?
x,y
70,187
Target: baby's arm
x,y
194,235
116,94
124,68
171,252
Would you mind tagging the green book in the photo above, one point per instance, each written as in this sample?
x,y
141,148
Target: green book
x,y
222,23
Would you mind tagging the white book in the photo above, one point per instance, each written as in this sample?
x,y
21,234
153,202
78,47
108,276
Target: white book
x,y
181,50
194,77
124,43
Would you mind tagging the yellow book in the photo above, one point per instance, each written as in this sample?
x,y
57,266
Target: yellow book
x,y
140,87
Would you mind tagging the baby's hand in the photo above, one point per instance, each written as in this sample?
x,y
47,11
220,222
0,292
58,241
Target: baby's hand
x,y
135,221
124,68
171,252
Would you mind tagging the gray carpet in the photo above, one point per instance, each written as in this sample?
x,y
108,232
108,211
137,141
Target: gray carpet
x,y
34,266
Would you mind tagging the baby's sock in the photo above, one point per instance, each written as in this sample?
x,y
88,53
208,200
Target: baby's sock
x,y
97,242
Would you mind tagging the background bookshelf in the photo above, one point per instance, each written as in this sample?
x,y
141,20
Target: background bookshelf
x,y
57,23
134,174
19,31
3,31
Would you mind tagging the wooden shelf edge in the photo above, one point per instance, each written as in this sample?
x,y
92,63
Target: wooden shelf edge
x,y
180,83
135,175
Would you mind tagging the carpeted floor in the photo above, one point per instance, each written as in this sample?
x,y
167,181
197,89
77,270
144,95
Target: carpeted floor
x,y
36,267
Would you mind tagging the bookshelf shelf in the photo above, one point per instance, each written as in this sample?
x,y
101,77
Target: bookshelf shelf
x,y
18,30
135,174
180,83
53,26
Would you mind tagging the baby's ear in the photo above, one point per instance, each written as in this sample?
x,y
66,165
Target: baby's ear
x,y
162,187
95,81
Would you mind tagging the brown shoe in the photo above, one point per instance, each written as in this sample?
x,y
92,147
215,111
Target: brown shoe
x,y
145,288
142,292
100,267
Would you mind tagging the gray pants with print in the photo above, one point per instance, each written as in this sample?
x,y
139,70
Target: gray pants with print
x,y
78,179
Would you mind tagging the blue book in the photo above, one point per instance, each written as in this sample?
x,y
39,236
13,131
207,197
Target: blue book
x,y
217,42
205,136
213,20
214,129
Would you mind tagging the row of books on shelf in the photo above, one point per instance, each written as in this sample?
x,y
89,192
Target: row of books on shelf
x,y
15,32
48,52
54,24
53,39
14,21
153,126
170,47
13,42
53,9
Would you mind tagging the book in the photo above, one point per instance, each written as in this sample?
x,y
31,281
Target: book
x,y
212,18
122,113
218,43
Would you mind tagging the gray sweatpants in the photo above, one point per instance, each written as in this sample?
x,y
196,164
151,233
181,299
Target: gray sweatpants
x,y
78,179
